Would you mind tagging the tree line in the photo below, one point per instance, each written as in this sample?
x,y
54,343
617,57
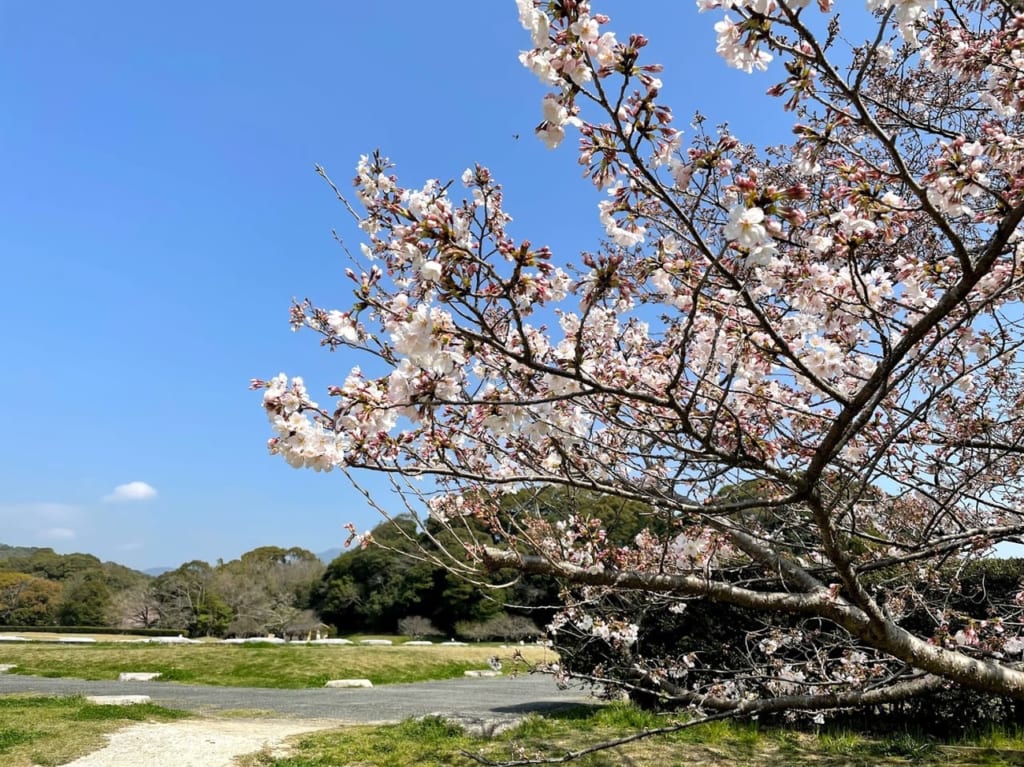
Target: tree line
x,y
266,590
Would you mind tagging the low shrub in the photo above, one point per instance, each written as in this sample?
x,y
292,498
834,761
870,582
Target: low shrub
x,y
508,628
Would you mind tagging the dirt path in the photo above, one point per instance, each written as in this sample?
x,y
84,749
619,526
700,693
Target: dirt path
x,y
197,742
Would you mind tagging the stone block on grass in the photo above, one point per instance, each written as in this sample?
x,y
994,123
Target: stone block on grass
x,y
348,683
376,642
418,643
482,673
5,667
118,700
138,676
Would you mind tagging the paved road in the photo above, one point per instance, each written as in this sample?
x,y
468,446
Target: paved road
x,y
487,698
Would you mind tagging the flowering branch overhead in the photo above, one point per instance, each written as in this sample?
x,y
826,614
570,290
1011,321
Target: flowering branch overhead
x,y
834,326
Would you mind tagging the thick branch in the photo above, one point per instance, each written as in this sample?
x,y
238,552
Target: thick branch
x,y
886,636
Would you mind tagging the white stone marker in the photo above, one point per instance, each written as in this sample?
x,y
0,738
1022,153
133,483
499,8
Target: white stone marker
x,y
348,683
138,676
117,700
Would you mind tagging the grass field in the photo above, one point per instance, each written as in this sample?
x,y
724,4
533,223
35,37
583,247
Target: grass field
x,y
53,731
433,743
50,731
257,665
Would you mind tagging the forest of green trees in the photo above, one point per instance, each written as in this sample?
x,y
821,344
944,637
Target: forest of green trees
x,y
266,590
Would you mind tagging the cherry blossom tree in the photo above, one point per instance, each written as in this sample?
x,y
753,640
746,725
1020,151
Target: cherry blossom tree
x,y
836,323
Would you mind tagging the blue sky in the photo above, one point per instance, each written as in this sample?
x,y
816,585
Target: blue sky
x,y
159,210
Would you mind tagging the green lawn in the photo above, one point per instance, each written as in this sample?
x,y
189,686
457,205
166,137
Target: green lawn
x,y
257,665
433,743
52,731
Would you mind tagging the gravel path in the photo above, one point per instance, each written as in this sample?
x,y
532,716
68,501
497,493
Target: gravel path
x,y
216,742
196,743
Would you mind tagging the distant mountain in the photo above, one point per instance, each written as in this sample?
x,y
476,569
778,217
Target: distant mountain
x,y
48,564
20,554
330,555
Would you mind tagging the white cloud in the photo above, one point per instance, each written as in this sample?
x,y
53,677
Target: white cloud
x,y
63,533
132,491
